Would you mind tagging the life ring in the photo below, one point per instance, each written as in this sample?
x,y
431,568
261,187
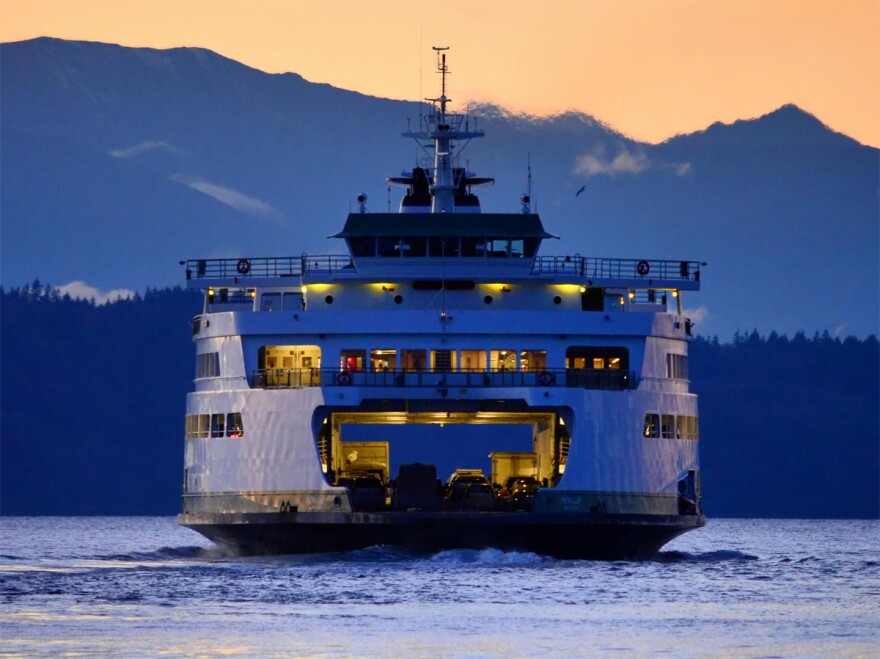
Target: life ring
x,y
344,379
546,379
243,266
643,267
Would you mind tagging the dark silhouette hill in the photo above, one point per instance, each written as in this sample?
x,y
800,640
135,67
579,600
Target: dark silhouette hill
x,y
92,402
117,162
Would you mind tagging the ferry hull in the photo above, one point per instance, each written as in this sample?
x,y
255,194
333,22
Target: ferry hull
x,y
572,536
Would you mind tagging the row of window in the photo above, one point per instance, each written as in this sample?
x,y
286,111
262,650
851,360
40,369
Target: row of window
x,y
208,365
576,357
214,425
669,426
423,246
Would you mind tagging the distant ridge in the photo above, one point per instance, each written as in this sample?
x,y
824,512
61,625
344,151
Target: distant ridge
x,y
116,163
787,126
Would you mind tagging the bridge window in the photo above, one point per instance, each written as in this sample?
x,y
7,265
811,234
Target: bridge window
x,y
362,246
386,247
498,247
413,246
667,425
533,360
443,247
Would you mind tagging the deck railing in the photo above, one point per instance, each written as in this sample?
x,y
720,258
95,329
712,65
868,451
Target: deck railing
x,y
287,378
580,267
601,268
266,267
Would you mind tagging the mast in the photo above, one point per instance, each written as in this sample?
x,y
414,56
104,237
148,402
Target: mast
x,y
443,129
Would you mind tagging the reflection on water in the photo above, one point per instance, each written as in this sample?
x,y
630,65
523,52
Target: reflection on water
x,y
143,587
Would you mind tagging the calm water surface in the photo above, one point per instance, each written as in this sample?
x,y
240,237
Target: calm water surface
x,y
143,587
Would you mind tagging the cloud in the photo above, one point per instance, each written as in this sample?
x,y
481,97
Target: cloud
x,y
79,290
142,148
625,162
232,198
597,162
698,316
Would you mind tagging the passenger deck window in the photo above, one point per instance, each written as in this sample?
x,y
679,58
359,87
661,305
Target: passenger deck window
x,y
443,360
533,360
352,360
473,360
234,427
652,425
676,366
502,360
383,360
597,357
208,365
413,360
217,425
667,426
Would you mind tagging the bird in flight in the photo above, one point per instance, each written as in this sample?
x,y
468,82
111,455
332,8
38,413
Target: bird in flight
x,y
583,187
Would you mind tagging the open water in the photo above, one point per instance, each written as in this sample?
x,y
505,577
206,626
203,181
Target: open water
x,y
143,587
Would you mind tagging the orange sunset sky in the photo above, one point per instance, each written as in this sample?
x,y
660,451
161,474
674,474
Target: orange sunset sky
x,y
649,68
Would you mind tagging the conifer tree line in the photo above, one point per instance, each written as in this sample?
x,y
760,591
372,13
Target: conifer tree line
x,y
92,405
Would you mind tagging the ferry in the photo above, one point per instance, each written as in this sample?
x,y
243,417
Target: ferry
x,y
441,316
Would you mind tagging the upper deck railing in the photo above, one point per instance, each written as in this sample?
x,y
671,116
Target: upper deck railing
x,y
292,378
576,268
266,267
603,268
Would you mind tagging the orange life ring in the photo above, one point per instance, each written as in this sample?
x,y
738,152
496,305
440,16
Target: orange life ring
x,y
343,379
243,266
643,267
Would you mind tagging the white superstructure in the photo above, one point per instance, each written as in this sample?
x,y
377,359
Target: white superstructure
x,y
441,314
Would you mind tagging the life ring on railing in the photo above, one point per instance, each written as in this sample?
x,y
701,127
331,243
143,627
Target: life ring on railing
x,y
343,379
643,267
243,266
546,379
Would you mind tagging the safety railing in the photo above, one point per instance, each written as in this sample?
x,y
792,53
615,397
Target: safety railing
x,y
580,267
602,268
266,267
286,378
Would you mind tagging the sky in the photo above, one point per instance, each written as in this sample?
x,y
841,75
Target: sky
x,y
649,68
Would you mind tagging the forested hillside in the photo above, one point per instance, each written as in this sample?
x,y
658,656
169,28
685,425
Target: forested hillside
x,y
92,404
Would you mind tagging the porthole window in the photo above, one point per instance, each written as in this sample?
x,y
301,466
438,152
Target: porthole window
x,y
488,299
398,299
557,300
329,299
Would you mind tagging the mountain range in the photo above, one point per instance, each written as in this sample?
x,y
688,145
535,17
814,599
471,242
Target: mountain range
x,y
116,163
